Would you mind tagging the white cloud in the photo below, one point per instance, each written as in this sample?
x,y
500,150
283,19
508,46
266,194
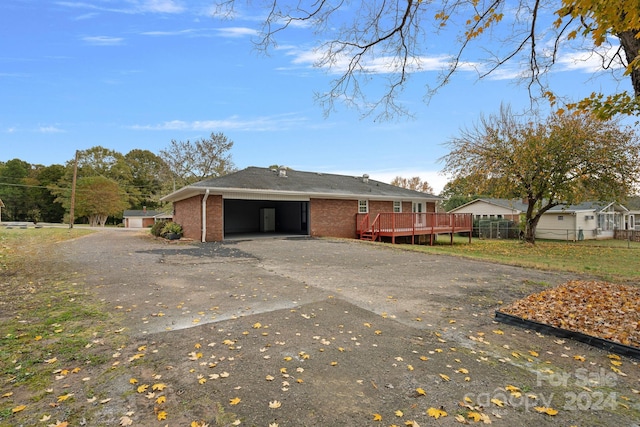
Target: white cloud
x,y
103,40
233,32
169,33
128,6
260,124
161,6
49,129
381,65
588,62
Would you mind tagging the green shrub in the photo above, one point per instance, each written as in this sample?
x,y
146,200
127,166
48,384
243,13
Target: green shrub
x,y
171,227
156,228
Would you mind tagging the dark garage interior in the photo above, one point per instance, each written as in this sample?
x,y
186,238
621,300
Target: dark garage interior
x,y
265,216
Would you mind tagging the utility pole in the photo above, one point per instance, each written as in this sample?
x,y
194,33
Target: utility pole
x,y
73,192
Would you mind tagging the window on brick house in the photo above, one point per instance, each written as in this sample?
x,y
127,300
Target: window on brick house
x,y
363,206
397,206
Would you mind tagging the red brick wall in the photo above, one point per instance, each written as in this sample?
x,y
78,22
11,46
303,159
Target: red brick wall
x,y
215,231
188,214
333,218
376,207
148,222
330,218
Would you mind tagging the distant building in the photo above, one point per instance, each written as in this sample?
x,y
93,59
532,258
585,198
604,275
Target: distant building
x,y
142,218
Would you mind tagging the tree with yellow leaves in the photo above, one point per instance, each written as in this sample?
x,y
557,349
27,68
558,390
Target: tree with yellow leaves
x,y
361,38
565,159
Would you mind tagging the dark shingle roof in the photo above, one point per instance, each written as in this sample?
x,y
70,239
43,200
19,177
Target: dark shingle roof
x,y
304,183
140,213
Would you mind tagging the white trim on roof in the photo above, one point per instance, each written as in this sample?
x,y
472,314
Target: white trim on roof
x,y
258,194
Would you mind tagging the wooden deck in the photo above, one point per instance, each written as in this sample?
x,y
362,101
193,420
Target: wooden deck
x,y
392,224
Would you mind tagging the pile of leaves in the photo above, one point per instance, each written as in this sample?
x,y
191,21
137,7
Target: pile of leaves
x,y
600,309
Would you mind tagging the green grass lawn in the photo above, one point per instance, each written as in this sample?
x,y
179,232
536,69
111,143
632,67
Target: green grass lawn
x,y
613,260
44,315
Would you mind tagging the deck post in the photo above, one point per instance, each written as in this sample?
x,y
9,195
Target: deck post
x,y
413,228
452,221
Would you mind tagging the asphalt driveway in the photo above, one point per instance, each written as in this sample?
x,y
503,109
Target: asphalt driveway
x,y
319,332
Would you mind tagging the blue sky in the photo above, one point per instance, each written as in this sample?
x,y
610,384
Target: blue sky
x,y
128,74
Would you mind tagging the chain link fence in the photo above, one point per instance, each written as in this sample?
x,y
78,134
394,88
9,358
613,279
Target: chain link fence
x,y
505,229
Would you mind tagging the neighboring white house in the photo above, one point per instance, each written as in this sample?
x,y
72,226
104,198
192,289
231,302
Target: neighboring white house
x,y
493,209
630,222
584,221
588,220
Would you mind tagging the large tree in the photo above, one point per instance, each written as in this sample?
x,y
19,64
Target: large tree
x,y
190,162
97,198
101,161
392,38
414,183
149,174
14,193
565,159
46,208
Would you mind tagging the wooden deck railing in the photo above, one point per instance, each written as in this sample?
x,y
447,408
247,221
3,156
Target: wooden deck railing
x,y
394,224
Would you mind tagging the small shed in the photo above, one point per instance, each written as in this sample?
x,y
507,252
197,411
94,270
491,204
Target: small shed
x,y
142,218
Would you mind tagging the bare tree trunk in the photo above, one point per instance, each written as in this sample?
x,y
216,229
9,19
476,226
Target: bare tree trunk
x,y
631,46
530,231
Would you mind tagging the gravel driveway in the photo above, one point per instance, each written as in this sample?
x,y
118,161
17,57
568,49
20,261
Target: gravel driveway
x,y
335,332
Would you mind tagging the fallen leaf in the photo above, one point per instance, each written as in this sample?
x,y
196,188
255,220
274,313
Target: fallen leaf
x,y
475,416
545,410
461,419
234,401
275,404
497,402
436,413
64,397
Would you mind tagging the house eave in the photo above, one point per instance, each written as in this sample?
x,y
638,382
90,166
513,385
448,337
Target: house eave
x,y
190,191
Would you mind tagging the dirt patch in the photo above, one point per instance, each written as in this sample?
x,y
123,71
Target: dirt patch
x,y
307,332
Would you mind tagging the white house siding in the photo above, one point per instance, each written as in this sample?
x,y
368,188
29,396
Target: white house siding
x,y
481,209
551,227
588,223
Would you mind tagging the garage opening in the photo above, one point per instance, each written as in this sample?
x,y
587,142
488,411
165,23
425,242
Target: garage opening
x,y
265,217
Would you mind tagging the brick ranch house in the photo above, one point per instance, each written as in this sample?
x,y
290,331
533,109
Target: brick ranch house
x,y
262,200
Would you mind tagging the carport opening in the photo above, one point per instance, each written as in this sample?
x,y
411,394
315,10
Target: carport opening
x,y
265,218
